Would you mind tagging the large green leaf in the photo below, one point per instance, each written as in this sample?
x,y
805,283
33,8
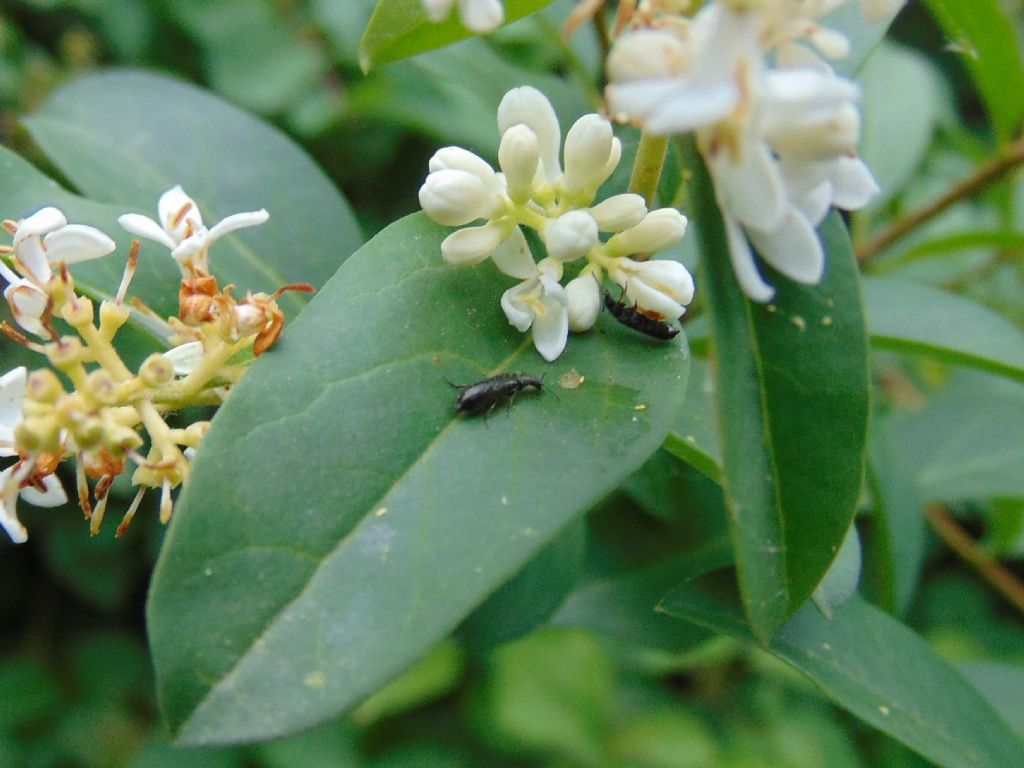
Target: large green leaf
x,y
125,137
982,33
917,699
694,436
909,317
400,28
341,518
792,401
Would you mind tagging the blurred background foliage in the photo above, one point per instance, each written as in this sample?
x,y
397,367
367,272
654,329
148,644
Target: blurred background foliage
x,y
521,684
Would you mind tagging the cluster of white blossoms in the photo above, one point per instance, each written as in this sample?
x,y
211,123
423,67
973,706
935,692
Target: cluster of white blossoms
x,y
534,190
476,15
776,125
112,415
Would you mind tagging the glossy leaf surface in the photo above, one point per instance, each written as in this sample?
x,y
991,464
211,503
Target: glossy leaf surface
x,y
124,138
400,28
792,402
342,518
921,701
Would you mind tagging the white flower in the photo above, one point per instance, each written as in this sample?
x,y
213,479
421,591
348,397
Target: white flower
x,y
476,15
591,154
180,228
454,197
584,296
12,392
41,242
663,287
519,158
619,212
51,495
778,135
540,302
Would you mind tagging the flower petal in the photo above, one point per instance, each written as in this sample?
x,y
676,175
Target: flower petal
x,y
8,509
39,223
743,265
751,188
145,227
170,205
52,494
853,185
28,304
186,357
12,392
792,247
236,221
75,243
31,260
437,10
513,257
518,316
551,330
469,246
530,107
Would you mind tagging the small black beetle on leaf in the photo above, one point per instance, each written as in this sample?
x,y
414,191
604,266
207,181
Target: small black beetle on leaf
x,y
633,317
484,396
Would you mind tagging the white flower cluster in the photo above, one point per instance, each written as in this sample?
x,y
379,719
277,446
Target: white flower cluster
x,y
776,126
100,421
476,15
534,190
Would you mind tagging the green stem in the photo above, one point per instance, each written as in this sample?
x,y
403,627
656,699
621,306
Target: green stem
x,y
650,157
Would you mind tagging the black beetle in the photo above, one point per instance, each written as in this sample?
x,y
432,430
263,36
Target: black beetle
x,y
484,396
633,317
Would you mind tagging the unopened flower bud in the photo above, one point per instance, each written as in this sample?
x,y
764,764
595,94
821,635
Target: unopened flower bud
x,y
101,386
471,245
194,433
43,386
588,146
78,311
156,370
584,297
619,212
518,156
660,229
571,236
185,357
459,159
645,54
249,319
528,106
453,197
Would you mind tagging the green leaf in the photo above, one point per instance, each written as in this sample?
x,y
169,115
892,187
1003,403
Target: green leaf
x,y
917,699
400,28
840,582
967,442
982,33
1002,685
341,519
863,36
694,436
621,606
792,401
903,96
909,317
126,137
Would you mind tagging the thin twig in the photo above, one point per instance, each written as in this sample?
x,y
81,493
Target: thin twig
x,y
991,171
966,548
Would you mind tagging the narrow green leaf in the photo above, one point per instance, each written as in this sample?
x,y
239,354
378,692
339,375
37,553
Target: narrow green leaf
x,y
792,401
920,700
840,582
1002,685
694,436
400,28
982,33
910,317
863,36
341,518
126,137
946,245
